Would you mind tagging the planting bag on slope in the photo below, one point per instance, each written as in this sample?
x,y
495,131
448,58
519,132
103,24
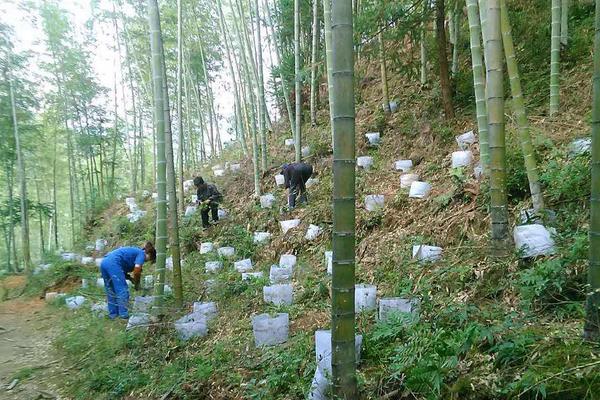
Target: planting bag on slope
x,y
305,151
189,211
267,200
323,349
425,253
419,190
365,297
374,202
533,240
148,282
329,261
74,302
313,232
278,294
143,304
99,309
320,385
248,276
466,139
364,162
279,274
279,180
243,265
226,251
208,309
580,146
219,172
403,165
392,305
269,331
289,224
261,237
100,244
289,142
213,266
287,260
374,138
407,179
206,247
462,159
139,320
311,182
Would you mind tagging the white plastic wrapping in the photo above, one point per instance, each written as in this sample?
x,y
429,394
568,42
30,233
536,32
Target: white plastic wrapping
x,y
311,182
213,266
146,194
320,385
222,214
270,331
329,261
100,244
289,142
99,309
279,275
143,304
85,283
288,260
533,240
191,325
281,294
226,251
235,167
365,297
478,171
323,349
247,276
139,320
74,302
190,210
313,232
87,260
466,139
392,305
169,263
148,282
289,224
187,185
374,202
403,165
50,296
136,216
305,151
419,190
426,253
206,247
207,309
267,200
462,158
279,180
41,268
374,138
580,146
243,265
365,162
100,282
406,180
69,256
261,237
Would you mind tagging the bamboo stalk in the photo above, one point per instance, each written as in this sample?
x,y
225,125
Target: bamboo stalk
x,y
555,59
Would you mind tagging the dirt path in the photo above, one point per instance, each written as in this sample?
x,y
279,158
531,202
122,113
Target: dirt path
x,y
27,329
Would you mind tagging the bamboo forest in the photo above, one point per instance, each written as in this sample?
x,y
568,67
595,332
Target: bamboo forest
x,y
300,199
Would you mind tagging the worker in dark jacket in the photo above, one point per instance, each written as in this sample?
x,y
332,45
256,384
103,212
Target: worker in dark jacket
x,y
295,176
208,199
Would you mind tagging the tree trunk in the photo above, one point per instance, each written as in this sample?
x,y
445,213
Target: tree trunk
x,y
443,60
555,59
41,217
344,239
456,36
479,84
498,200
564,23
179,108
314,89
519,109
260,93
159,118
422,44
298,84
384,83
592,322
22,177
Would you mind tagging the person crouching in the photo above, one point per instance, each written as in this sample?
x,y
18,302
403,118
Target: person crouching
x,y
208,200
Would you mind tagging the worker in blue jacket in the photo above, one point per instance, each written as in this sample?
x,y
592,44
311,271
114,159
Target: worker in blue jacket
x,y
115,268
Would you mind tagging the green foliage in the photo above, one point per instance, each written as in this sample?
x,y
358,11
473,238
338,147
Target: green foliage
x,y
567,180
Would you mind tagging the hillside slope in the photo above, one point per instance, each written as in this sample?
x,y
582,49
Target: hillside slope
x,y
486,328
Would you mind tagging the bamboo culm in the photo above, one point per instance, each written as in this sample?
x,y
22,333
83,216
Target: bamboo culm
x,y
344,239
298,83
495,84
518,104
555,59
592,321
479,83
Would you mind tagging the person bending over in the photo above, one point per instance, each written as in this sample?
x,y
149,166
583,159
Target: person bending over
x,y
295,176
115,269
208,200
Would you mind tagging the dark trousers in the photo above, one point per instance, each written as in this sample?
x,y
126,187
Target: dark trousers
x,y
294,192
214,210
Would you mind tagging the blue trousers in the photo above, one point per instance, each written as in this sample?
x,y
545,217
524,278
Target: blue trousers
x,y
115,286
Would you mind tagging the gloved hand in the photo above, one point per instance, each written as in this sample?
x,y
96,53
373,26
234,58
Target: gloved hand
x,y
129,278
